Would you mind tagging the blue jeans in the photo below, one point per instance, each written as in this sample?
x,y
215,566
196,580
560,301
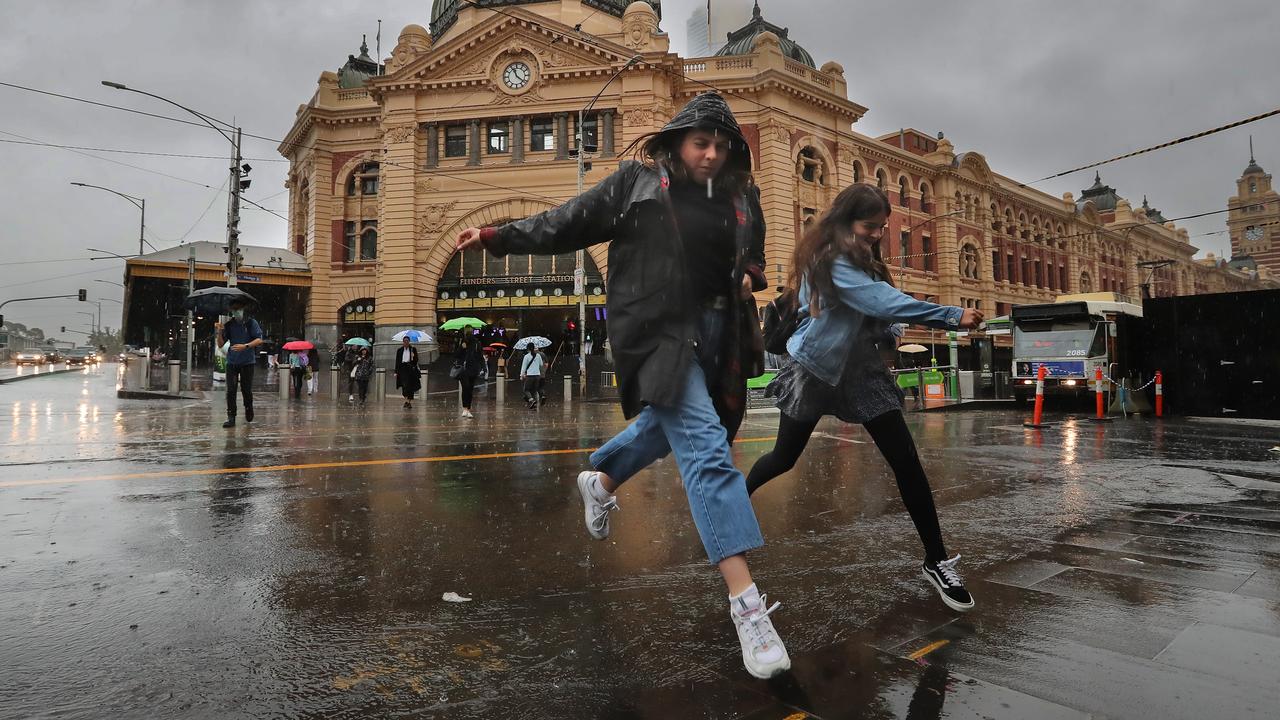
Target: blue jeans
x,y
691,429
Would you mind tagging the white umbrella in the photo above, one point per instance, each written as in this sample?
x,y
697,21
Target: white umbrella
x,y
535,340
912,349
416,336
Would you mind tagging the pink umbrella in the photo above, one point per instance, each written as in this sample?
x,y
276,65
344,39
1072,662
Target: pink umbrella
x,y
298,346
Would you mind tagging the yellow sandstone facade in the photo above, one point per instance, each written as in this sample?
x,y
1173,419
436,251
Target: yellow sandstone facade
x,y
473,123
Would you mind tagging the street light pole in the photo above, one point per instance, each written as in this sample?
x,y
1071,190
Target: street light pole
x,y
580,269
238,170
140,203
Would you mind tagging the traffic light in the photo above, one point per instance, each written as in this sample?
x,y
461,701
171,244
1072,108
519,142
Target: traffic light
x,y
83,295
64,329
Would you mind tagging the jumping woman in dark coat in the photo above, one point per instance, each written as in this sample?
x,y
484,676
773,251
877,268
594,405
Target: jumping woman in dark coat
x,y
686,252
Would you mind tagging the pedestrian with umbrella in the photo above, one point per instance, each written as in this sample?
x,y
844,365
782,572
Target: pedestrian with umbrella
x,y
468,360
299,362
408,374
686,235
351,353
533,369
244,334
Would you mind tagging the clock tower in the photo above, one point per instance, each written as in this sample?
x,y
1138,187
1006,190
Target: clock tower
x,y
1253,217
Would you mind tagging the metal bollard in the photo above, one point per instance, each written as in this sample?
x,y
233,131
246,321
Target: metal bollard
x,y
1159,394
175,376
380,385
568,389
335,380
286,383
502,388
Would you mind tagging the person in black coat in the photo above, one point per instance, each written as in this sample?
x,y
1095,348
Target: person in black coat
x,y
408,375
468,362
686,251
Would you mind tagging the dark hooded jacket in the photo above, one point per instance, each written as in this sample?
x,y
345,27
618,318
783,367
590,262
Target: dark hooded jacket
x,y
651,327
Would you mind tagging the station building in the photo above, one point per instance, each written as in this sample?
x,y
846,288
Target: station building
x,y
472,122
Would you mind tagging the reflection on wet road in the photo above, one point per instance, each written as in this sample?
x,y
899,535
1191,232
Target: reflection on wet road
x,y
153,564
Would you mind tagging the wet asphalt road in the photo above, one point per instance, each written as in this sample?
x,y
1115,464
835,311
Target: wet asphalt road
x,y
153,564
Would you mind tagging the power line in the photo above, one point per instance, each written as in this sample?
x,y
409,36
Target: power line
x,y
117,162
1161,146
40,262
58,277
217,194
133,152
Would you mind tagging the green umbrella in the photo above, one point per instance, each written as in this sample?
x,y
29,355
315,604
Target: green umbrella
x,y
463,323
361,342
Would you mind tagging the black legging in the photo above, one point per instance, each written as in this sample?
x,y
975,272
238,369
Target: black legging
x,y
468,384
891,436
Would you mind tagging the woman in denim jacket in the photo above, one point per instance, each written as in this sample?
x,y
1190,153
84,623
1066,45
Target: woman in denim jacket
x,y
846,305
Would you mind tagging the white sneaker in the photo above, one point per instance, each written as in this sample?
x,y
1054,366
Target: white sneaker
x,y
763,653
467,413
351,398
596,510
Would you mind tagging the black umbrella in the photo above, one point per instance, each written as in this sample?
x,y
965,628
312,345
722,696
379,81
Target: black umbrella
x,y
216,300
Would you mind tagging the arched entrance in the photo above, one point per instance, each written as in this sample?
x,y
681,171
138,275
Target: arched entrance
x,y
355,319
523,295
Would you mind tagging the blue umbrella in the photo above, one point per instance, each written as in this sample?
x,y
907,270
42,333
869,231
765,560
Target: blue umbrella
x,y
415,336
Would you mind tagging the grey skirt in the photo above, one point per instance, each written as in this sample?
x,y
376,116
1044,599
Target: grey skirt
x,y
865,392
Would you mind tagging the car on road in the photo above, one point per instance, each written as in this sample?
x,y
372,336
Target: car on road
x,y
91,353
29,357
81,356
52,356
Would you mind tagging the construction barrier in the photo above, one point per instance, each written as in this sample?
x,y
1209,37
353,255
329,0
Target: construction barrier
x,y
1099,386
1038,419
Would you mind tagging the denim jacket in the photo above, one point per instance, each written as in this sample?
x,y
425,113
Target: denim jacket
x,y
821,345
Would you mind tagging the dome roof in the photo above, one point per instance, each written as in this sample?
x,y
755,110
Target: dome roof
x,y
445,12
358,69
1104,197
742,41
1153,214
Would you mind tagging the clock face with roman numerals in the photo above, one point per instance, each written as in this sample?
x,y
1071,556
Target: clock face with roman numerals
x,y
517,75
1253,234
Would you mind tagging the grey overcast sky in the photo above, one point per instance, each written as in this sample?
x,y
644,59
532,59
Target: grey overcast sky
x,y
1037,86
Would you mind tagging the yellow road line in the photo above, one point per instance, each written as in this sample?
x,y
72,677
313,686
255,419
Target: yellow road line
x,y
313,466
927,649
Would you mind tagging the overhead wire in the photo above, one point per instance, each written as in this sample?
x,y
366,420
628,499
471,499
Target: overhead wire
x,y
1161,146
589,39
134,152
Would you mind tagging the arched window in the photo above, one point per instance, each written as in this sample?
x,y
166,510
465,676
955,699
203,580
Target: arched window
x,y
925,202
364,181
1086,283
969,262
857,171
369,241
904,197
810,167
882,180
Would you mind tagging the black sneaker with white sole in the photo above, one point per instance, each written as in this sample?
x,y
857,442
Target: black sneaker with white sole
x,y
943,576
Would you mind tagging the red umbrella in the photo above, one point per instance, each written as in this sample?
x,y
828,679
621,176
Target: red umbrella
x,y
298,346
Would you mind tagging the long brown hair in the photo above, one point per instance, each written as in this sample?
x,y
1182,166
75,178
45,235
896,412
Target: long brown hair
x,y
663,148
832,236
